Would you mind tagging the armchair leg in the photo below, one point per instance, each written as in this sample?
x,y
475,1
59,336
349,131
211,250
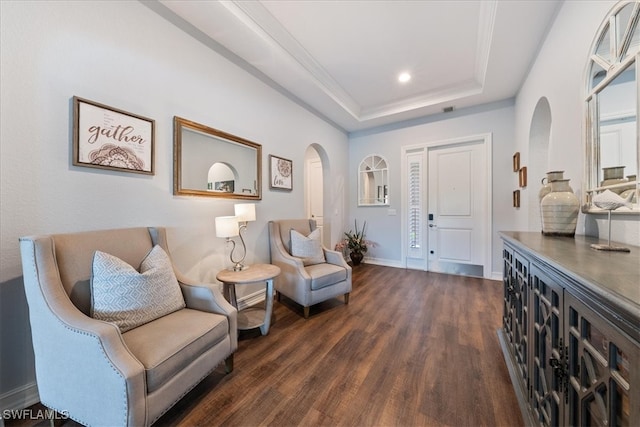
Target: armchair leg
x,y
346,297
306,312
228,364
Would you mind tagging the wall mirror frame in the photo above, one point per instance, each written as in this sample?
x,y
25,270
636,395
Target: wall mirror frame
x,y
373,181
212,163
612,154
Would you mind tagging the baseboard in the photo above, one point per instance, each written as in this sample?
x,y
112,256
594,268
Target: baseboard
x,y
20,398
384,262
496,275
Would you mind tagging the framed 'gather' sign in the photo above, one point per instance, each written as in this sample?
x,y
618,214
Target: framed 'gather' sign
x,y
108,138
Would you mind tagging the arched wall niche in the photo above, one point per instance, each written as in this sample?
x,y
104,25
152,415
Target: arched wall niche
x,y
539,140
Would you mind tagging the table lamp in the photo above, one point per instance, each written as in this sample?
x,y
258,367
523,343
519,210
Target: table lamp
x,y
245,212
227,227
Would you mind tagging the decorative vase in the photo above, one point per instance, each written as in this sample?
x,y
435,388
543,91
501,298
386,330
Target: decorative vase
x,y
546,188
356,257
560,210
613,172
613,175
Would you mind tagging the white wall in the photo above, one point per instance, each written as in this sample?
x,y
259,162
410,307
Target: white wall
x,y
384,229
124,55
558,75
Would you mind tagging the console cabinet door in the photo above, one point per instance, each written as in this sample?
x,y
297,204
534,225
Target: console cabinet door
x,y
604,370
521,294
508,311
549,350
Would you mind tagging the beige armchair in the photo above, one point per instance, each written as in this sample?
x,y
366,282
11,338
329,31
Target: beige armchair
x,y
311,284
88,368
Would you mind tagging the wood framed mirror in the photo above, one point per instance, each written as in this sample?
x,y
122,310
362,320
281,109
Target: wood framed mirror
x,y
612,98
212,163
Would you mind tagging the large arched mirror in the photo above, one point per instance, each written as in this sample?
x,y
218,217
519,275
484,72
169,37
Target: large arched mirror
x,y
209,162
373,181
612,154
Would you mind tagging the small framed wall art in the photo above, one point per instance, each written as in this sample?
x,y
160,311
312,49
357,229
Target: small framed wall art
x,y
280,173
516,199
516,162
522,177
108,138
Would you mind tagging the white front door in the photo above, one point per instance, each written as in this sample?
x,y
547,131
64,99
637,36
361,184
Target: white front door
x,y
457,210
315,190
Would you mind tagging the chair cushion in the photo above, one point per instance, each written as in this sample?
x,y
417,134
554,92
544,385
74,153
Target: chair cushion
x,y
168,344
129,298
323,275
309,248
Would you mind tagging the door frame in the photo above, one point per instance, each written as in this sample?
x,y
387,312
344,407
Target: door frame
x,y
487,143
326,189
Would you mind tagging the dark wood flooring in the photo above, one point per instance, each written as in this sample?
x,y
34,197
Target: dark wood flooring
x,y
411,349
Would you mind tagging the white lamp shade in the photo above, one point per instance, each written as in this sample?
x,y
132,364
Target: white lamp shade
x,y
227,226
245,211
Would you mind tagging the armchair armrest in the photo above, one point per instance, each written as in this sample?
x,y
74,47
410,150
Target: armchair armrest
x,y
204,297
207,297
336,258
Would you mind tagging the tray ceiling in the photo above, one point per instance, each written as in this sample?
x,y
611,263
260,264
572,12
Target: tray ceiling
x,y
342,58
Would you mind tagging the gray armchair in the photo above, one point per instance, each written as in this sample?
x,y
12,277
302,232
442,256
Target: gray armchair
x,y
87,367
306,285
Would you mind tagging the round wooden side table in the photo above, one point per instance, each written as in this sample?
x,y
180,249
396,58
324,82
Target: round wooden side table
x,y
252,317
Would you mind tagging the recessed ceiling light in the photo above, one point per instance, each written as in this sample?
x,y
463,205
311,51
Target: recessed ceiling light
x,y
404,77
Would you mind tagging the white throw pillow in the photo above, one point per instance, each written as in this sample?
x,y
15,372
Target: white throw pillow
x,y
129,298
308,247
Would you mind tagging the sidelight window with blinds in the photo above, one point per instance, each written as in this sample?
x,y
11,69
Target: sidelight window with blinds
x,y
415,205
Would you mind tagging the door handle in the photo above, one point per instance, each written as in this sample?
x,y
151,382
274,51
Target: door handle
x,y
432,226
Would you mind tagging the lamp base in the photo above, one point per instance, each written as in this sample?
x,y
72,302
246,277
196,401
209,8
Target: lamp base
x,y
238,267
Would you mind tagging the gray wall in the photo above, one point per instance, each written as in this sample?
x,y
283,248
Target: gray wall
x,y
383,229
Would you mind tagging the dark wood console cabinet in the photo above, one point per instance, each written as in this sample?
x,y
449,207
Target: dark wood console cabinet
x,y
571,330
